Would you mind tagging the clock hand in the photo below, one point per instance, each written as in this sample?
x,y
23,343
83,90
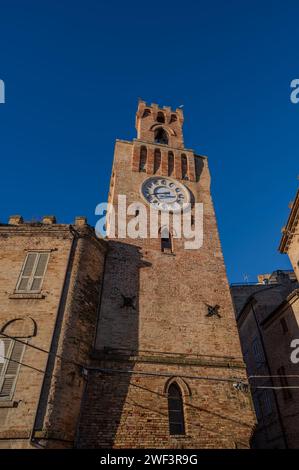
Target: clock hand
x,y
165,196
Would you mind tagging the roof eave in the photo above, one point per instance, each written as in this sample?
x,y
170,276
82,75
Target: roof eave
x,y
290,226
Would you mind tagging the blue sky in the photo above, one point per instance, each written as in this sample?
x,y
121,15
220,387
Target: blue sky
x,y
74,71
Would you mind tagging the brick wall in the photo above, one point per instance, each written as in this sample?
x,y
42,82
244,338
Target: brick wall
x,y
216,415
64,318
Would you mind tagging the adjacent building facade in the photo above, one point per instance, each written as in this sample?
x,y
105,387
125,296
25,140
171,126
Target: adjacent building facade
x,y
268,321
289,243
255,306
124,342
50,278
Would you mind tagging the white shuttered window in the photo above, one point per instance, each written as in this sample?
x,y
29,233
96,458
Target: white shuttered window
x,y
9,366
33,272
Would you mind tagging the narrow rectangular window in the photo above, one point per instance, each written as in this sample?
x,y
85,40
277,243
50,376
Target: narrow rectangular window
x,y
143,159
9,366
184,164
166,242
170,163
33,272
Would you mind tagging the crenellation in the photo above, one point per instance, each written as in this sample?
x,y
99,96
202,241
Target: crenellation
x,y
15,220
49,219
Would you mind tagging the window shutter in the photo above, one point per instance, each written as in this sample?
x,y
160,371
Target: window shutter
x,y
27,271
33,272
39,271
15,357
41,265
30,261
4,352
7,387
10,368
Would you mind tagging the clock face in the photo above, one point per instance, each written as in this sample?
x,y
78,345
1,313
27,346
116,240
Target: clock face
x,y
165,194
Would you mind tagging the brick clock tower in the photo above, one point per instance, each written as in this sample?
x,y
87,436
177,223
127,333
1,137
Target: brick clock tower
x,y
167,368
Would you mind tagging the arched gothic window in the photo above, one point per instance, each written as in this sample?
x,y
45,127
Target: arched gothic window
x,y
175,410
161,136
143,158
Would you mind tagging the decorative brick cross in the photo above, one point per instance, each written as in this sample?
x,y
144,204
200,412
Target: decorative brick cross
x,y
213,310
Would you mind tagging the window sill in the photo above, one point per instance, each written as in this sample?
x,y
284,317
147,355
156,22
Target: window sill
x,y
8,403
179,436
26,295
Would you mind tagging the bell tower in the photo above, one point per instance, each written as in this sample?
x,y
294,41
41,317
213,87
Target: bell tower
x,y
151,121
160,143
167,369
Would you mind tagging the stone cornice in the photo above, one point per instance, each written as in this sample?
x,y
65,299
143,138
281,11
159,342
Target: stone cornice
x,y
292,223
40,229
179,360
